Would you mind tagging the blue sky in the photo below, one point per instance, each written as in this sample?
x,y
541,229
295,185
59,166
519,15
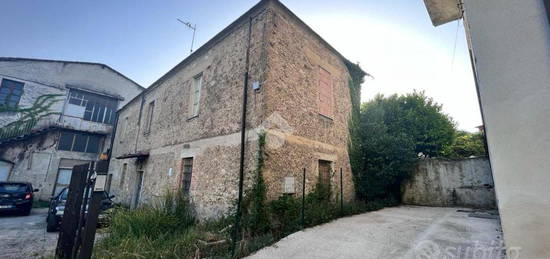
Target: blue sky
x,y
392,40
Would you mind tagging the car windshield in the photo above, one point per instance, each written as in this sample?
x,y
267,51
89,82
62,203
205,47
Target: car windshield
x,y
63,194
13,187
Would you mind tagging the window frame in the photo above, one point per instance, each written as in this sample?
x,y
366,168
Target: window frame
x,y
97,108
10,93
149,118
73,141
186,176
325,93
195,95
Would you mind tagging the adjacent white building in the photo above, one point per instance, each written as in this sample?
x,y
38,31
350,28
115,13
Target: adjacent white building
x,y
509,44
54,115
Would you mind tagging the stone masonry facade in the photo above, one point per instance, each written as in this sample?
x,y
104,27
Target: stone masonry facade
x,y
159,132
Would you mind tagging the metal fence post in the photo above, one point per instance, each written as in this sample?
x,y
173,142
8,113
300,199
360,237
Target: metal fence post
x,y
341,192
303,197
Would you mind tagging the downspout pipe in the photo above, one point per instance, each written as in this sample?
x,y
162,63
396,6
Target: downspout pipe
x,y
236,230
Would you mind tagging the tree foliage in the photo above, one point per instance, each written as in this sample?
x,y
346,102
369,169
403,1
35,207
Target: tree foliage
x,y
465,145
394,131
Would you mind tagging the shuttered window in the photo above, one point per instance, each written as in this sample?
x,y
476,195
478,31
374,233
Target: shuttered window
x,y
196,95
149,121
325,98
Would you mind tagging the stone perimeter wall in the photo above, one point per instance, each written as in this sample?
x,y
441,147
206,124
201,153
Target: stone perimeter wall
x,y
462,183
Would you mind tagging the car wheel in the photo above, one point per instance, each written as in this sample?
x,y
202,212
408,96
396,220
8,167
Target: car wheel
x,y
51,225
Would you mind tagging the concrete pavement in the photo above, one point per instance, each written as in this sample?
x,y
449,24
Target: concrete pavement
x,y
26,236
399,232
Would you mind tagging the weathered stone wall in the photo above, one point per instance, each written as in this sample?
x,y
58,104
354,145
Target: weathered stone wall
x,y
284,59
212,138
438,182
297,135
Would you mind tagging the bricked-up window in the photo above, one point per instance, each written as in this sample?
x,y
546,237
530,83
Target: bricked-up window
x,y
79,142
187,170
149,120
10,93
195,95
123,175
325,97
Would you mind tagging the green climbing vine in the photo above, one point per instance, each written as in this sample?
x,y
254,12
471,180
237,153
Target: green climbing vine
x,y
354,148
28,116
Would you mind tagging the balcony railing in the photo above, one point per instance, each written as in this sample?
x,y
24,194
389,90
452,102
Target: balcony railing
x,y
26,127
33,126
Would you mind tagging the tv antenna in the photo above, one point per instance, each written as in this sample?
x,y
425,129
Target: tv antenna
x,y
192,27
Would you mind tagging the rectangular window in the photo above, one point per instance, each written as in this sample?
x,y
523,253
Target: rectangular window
x,y
97,108
66,141
93,144
325,168
196,95
187,174
325,97
79,142
149,120
10,93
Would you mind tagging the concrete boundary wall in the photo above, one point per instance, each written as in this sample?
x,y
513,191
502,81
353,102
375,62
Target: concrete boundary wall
x,y
440,182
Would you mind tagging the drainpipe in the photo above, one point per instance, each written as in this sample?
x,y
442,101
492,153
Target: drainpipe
x,y
243,144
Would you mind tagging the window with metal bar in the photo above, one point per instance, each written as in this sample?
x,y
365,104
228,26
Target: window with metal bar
x,y
187,169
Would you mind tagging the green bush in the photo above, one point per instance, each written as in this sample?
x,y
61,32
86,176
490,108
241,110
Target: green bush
x,y
165,230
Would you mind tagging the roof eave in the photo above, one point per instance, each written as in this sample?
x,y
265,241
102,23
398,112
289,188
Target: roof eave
x,y
443,11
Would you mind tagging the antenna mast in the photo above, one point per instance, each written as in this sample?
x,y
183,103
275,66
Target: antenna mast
x,y
190,26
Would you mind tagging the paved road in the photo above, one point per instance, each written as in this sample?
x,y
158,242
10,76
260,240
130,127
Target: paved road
x,y
400,232
26,236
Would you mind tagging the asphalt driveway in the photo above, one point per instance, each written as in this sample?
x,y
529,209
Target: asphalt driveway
x,y
26,236
400,232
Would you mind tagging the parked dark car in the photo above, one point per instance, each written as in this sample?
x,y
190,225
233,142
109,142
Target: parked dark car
x,y
57,208
16,197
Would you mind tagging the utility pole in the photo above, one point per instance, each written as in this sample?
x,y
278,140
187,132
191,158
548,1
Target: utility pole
x,y
192,27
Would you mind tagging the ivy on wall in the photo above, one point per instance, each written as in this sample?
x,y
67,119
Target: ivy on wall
x,y
354,148
28,116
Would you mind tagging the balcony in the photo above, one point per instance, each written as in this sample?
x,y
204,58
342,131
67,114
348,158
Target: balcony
x,y
20,130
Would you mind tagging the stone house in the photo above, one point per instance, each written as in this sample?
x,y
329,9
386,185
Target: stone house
x,y
54,115
183,132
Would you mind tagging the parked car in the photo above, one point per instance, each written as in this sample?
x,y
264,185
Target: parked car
x,y
57,208
16,197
